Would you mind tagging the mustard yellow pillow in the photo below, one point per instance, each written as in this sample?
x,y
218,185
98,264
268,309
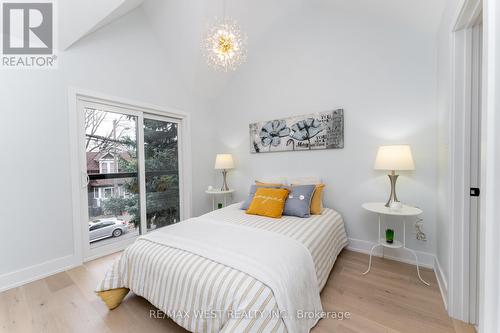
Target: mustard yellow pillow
x,y
317,200
268,202
113,297
258,183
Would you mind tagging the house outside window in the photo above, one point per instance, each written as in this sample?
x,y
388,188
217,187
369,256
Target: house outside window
x,y
102,190
107,166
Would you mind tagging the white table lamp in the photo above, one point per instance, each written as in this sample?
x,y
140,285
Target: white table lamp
x,y
224,162
394,158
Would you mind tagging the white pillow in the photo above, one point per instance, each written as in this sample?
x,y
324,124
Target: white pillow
x,y
306,181
273,180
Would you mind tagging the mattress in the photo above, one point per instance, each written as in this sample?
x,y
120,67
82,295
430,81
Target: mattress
x,y
186,286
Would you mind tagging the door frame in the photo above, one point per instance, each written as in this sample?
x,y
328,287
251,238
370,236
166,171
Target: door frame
x,y
462,289
489,298
75,96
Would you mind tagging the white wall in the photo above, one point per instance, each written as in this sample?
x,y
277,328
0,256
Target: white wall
x,y
123,59
378,62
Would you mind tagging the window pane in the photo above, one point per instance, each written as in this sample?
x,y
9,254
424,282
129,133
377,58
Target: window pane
x,y
111,152
162,173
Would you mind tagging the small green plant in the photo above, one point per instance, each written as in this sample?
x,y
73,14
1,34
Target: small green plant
x,y
389,236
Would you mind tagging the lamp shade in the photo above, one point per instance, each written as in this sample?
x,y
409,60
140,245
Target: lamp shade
x,y
394,157
224,162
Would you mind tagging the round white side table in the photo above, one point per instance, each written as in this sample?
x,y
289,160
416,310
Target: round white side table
x,y
380,209
214,193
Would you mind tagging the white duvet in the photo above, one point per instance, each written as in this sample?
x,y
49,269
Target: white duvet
x,y
236,265
280,262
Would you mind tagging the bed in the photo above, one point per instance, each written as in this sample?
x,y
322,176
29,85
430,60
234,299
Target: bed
x,y
203,287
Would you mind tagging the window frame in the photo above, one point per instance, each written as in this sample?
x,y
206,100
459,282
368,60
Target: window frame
x,y
77,98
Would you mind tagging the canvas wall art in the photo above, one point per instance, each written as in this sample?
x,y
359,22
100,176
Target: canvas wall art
x,y
321,130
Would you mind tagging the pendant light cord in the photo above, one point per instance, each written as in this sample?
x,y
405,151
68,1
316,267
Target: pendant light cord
x,y
224,10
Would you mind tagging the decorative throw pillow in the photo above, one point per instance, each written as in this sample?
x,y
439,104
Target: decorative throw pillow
x,y
251,194
298,202
317,200
259,183
268,202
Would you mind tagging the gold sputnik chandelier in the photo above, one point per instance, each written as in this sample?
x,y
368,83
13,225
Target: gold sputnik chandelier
x,y
224,44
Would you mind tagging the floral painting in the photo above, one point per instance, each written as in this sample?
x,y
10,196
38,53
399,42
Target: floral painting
x,y
322,130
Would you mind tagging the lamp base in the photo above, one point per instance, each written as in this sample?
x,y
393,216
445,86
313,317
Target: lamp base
x,y
393,198
224,183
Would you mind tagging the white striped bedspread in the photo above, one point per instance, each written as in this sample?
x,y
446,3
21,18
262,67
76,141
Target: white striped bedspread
x,y
205,296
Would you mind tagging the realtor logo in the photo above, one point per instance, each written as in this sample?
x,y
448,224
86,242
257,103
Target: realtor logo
x,y
28,34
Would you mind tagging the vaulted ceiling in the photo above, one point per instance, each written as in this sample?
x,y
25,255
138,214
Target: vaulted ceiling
x,y
78,18
179,26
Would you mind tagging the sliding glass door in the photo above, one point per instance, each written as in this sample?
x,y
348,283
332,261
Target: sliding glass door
x,y
112,172
131,164
161,151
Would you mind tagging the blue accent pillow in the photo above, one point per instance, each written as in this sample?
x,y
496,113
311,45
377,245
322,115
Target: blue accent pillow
x,y
298,202
251,194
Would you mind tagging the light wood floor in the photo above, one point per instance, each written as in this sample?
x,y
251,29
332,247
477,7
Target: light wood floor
x,y
389,299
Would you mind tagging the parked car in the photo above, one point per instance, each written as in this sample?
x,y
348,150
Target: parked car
x,y
105,228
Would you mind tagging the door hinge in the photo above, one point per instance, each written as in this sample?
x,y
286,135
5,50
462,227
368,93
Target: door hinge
x,y
474,191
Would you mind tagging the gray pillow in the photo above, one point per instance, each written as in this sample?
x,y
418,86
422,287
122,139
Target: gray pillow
x,y
298,202
249,199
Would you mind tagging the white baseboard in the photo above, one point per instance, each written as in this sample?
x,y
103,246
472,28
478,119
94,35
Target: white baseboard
x,y
39,271
442,282
424,259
